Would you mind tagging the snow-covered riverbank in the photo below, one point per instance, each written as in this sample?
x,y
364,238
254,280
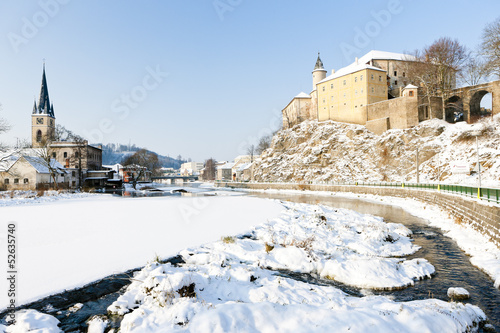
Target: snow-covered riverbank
x,y
228,286
229,283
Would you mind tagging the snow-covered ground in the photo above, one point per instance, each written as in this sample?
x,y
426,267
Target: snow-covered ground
x,y
228,284
66,243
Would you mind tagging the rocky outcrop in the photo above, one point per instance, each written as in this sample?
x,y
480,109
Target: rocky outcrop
x,y
332,151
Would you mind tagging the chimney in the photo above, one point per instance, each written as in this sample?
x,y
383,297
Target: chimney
x,y
356,60
333,71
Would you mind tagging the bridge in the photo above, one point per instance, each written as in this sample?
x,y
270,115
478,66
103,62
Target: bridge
x,y
468,101
174,179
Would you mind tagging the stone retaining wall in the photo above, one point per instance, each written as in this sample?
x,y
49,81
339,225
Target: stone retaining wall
x,y
482,217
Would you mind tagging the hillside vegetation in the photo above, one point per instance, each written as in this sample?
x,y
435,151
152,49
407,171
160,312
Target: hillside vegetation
x,y
332,151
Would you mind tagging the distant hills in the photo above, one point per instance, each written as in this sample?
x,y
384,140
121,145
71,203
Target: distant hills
x,y
115,153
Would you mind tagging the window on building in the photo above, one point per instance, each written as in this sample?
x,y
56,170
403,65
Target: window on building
x,y
323,88
26,180
344,95
356,92
380,78
361,90
372,77
404,83
404,74
411,93
39,136
344,82
6,181
395,73
324,100
373,90
16,180
355,79
73,174
76,155
331,86
54,155
361,78
395,82
331,98
65,154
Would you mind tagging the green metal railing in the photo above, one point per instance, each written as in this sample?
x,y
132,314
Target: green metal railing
x,y
483,193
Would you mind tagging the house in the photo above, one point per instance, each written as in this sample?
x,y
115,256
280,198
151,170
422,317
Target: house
x,y
32,173
134,172
191,168
225,172
243,172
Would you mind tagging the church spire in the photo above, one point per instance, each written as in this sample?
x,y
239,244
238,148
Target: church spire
x,y
44,106
319,64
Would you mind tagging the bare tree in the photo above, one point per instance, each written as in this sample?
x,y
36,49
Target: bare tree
x,y
490,47
435,68
264,143
251,151
209,172
474,71
146,160
46,154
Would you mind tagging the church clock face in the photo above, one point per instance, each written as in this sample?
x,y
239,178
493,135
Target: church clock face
x,y
39,121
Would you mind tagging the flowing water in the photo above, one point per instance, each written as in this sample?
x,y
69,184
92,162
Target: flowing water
x,y
453,269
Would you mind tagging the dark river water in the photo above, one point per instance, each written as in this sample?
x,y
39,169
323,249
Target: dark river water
x,y
453,269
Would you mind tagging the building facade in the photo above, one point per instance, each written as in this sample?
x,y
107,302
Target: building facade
x,y
77,157
369,92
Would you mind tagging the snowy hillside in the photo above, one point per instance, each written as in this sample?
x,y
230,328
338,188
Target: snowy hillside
x,y
332,151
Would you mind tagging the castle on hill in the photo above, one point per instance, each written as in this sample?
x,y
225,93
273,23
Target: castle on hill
x,y
373,91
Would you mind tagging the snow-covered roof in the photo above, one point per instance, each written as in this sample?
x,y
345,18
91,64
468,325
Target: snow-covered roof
x,y
40,164
227,166
302,95
7,161
352,68
244,166
383,55
411,86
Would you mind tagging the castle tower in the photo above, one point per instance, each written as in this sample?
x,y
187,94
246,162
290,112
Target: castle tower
x,y
43,121
319,72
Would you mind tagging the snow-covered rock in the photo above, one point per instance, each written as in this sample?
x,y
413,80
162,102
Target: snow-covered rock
x,y
458,293
333,151
33,321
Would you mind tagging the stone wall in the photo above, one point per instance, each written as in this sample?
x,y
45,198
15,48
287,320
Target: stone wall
x,y
402,111
481,216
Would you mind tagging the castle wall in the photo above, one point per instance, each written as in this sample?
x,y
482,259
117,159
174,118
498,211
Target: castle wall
x,y
401,112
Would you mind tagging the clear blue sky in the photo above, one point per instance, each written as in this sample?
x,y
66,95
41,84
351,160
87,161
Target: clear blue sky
x,y
224,68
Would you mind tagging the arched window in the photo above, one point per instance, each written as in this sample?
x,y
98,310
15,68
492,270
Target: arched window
x,y
65,154
39,136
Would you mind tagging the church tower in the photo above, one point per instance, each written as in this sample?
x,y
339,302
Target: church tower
x,y
43,121
319,72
